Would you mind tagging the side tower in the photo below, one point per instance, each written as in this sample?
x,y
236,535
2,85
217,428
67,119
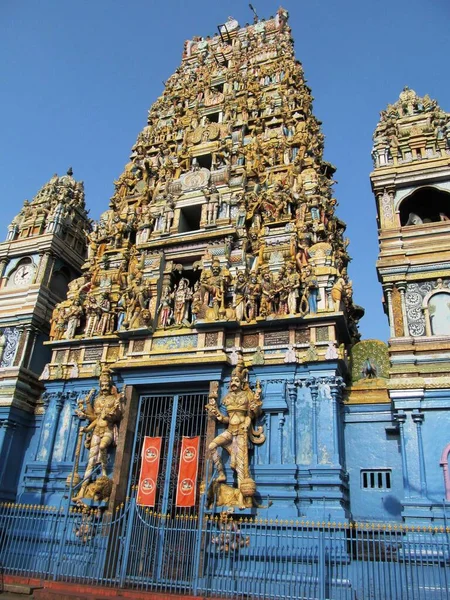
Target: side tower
x,y
43,252
411,183
220,249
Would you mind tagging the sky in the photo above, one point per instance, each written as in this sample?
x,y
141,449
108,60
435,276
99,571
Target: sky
x,y
77,80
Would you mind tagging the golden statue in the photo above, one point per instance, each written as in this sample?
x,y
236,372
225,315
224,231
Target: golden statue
x,y
243,406
104,414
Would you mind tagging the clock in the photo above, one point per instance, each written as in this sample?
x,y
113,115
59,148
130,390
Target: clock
x,y
24,275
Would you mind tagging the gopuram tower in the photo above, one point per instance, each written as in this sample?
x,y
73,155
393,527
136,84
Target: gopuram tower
x,y
217,277
411,182
44,250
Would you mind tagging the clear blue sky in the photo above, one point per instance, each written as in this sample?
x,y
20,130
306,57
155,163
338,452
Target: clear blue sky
x,y
78,77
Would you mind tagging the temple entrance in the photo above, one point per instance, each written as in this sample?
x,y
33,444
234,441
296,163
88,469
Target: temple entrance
x,y
163,540
171,417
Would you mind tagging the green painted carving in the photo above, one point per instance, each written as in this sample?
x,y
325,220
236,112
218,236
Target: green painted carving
x,y
376,352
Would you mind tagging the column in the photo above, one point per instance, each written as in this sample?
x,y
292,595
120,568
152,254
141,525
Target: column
x,y
418,418
387,287
292,397
336,393
125,447
401,286
311,383
5,449
28,346
3,263
401,419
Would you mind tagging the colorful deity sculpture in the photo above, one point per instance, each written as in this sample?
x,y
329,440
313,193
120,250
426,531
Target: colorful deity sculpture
x,y
243,406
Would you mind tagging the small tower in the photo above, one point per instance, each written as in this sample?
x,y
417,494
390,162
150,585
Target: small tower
x,y
44,250
411,183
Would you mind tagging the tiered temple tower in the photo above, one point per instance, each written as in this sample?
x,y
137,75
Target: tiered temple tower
x,y
411,182
220,248
44,250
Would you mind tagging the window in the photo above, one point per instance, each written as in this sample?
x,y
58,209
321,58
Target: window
x,y
379,479
190,218
204,161
439,312
425,205
213,117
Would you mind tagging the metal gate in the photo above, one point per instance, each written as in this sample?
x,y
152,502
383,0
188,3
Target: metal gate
x,y
159,549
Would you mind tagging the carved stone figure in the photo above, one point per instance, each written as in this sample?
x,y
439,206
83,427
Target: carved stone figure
x,y
165,311
182,296
293,285
73,316
214,286
104,413
242,406
239,296
311,290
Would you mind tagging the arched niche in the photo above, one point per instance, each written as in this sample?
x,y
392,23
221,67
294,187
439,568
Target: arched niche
x,y
425,205
436,308
24,263
444,464
59,282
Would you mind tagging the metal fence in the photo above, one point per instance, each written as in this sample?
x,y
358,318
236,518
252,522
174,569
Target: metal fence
x,y
225,556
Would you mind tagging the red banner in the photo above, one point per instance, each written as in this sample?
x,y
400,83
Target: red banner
x,y
151,452
187,473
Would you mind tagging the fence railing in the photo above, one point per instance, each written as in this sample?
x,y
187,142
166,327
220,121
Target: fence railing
x,y
225,556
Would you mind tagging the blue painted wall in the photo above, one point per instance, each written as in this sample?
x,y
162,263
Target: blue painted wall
x,y
371,442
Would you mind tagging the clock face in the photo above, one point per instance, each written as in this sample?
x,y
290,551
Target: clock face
x,y
24,275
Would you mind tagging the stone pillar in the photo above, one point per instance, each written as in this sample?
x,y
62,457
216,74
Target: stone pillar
x,y
21,344
28,346
401,286
388,291
281,421
6,438
312,385
124,449
3,263
45,269
336,393
401,419
292,396
418,418
50,425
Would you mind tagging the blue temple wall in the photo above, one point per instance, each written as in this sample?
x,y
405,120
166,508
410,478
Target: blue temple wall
x,y
436,436
16,432
298,473
373,443
425,423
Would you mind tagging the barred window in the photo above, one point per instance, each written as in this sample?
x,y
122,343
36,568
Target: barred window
x,y
376,479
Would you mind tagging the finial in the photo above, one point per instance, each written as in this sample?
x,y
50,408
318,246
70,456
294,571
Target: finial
x,y
255,16
70,171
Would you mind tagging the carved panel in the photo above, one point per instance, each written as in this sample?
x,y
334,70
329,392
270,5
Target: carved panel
x,y
113,353
93,353
74,355
59,356
396,300
276,338
230,341
251,340
138,345
415,293
211,339
388,218
322,334
302,336
175,342
11,337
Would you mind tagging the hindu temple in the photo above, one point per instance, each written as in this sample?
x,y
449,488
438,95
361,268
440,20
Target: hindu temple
x,y
197,350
